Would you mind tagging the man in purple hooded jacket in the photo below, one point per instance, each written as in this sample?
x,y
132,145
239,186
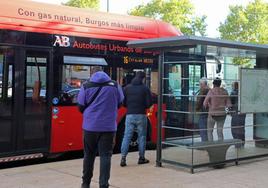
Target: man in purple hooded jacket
x,y
99,123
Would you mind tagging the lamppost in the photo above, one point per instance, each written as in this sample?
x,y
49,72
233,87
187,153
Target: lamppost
x,y
107,6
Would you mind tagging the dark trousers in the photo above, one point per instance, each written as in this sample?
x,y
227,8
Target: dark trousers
x,y
202,123
94,142
238,126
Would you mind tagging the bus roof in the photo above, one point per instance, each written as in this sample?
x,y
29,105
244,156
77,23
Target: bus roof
x,y
29,16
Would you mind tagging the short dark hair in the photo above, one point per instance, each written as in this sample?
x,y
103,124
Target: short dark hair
x,y
217,82
235,84
140,75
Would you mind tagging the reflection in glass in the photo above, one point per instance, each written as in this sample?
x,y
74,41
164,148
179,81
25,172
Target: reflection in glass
x,y
32,78
73,77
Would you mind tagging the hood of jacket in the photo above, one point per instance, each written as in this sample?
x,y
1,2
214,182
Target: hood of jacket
x,y
136,81
100,77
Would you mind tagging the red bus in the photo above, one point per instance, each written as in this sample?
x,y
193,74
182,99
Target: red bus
x,y
46,52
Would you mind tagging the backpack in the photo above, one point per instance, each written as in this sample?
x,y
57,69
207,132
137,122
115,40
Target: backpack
x,y
88,85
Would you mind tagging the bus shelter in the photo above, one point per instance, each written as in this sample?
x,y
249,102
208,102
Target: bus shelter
x,y
197,129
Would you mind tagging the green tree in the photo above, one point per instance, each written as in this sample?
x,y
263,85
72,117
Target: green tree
x,y
247,24
179,13
94,4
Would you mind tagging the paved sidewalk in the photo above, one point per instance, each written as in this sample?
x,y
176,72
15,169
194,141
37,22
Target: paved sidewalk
x,y
67,174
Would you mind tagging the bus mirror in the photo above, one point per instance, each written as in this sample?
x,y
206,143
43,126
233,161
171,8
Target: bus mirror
x,y
218,66
218,69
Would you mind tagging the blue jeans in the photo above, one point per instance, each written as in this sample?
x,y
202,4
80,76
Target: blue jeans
x,y
94,142
202,124
135,122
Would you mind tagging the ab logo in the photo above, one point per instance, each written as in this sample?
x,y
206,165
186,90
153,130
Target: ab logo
x,y
62,41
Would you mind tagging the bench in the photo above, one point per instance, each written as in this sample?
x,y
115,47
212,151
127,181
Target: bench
x,y
216,149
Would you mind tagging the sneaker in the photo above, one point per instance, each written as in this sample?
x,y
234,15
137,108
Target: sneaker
x,y
143,160
123,162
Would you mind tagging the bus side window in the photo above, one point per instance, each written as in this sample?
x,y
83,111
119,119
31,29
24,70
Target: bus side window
x,y
73,76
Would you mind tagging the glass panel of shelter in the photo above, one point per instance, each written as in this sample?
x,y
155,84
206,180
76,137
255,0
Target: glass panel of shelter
x,y
182,86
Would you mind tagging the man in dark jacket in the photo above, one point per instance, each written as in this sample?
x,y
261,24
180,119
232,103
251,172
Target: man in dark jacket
x,y
238,120
99,124
202,123
137,100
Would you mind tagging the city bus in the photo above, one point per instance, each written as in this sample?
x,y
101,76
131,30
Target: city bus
x,y
46,52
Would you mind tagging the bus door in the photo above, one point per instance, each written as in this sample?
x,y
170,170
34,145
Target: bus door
x,y
35,99
6,99
24,114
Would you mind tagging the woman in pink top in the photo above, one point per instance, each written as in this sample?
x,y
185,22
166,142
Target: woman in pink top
x,y
216,101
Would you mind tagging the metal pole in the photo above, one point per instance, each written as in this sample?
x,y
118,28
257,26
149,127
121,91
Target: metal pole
x,y
107,5
193,115
159,111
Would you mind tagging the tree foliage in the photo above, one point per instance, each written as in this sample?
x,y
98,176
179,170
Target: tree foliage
x,y
94,4
179,13
247,24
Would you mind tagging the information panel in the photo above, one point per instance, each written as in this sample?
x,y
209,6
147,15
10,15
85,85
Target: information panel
x,y
254,91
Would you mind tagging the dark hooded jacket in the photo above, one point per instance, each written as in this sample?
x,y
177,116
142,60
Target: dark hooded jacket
x,y
137,97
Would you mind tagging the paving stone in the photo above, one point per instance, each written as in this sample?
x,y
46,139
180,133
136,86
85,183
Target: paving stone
x,y
67,174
